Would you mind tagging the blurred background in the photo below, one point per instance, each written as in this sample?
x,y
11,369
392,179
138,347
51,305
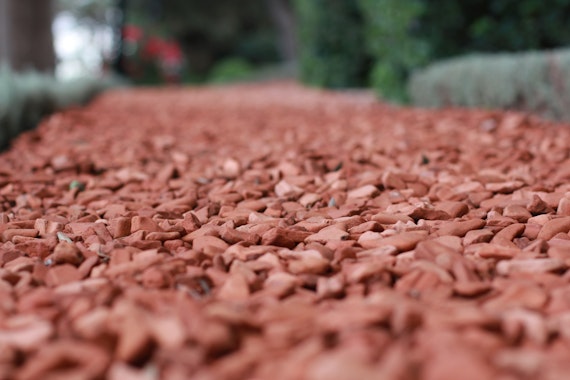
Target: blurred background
x,y
54,53
333,43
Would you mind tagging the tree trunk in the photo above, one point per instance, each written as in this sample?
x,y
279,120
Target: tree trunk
x,y
119,26
26,40
5,55
284,20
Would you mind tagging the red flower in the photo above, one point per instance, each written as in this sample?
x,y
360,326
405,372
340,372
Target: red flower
x,y
132,33
153,47
171,53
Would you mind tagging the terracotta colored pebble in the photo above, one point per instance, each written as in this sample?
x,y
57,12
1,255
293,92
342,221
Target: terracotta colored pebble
x,y
330,233
468,187
309,199
460,228
143,223
554,226
539,219
89,360
427,266
102,232
507,234
133,332
531,230
25,332
20,263
563,206
209,244
281,284
7,256
518,296
9,234
191,222
504,187
336,365
308,265
154,278
454,208
253,205
429,214
494,251
530,266
281,237
79,228
285,189
235,288
477,236
430,249
122,371
360,272
120,227
471,289
330,286
162,236
391,180
120,256
367,191
538,206
468,362
384,218
314,224
517,212
36,248
85,267
65,252
205,230
365,227
169,332
132,267
404,241
233,236
62,274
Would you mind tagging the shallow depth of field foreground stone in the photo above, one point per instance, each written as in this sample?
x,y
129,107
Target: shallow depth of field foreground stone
x,y
276,232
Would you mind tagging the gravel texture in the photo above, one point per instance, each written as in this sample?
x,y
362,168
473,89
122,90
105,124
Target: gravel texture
x,y
276,232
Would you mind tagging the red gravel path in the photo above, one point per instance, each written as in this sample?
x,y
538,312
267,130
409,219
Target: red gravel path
x,y
275,232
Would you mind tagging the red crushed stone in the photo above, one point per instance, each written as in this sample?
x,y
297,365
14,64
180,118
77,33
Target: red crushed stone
x,y
272,231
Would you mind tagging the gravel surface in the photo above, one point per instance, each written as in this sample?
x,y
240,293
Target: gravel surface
x,y
276,232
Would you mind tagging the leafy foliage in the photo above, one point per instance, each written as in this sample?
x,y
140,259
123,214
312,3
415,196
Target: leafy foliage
x,y
403,35
333,51
230,70
390,27
457,27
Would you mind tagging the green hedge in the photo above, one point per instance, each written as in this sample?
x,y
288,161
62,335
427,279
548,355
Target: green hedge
x,y
392,43
537,82
26,98
379,42
333,48
458,27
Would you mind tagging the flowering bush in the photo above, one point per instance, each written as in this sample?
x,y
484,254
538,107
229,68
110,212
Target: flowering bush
x,y
150,58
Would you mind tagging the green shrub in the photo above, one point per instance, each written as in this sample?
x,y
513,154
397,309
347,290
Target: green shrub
x,y
347,42
26,98
537,82
457,27
333,49
392,42
230,70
